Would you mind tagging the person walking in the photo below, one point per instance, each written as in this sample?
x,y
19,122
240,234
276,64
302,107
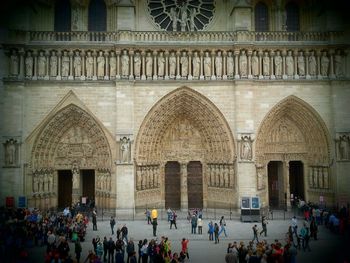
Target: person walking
x,y
313,228
216,233
184,247
222,226
124,231
264,226
305,237
255,233
173,219
148,216
112,223
211,231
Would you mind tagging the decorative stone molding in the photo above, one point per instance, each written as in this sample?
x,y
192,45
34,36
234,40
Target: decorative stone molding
x,y
342,144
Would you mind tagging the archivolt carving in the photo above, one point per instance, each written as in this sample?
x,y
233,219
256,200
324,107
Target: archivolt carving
x,y
72,135
184,111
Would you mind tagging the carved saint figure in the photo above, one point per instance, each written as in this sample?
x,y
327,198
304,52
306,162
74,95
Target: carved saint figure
x,y
41,64
161,63
10,153
14,63
125,64
338,64
255,64
53,64
343,147
77,64
137,65
193,13
100,65
324,64
207,65
112,65
75,178
230,65
172,65
29,65
278,64
218,64
138,178
89,65
149,65
266,64
312,64
184,64
301,64
243,64
183,13
173,17
65,64
124,149
196,65
289,64
246,148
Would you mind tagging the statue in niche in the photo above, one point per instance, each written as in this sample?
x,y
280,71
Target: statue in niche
x,y
53,64
301,64
14,63
226,175
278,64
338,64
137,65
75,176
218,64
320,177
41,183
207,65
196,63
77,64
89,65
266,64
193,13
173,18
183,13
343,147
243,62
124,149
222,168
41,64
29,65
184,64
324,64
246,148
230,65
125,64
172,65
260,180
289,64
161,63
10,152
217,176
35,186
65,64
255,64
138,178
149,65
100,65
325,178
312,64
143,176
112,65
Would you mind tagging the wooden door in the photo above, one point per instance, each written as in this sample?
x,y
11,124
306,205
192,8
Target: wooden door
x,y
172,185
195,184
65,185
273,183
88,183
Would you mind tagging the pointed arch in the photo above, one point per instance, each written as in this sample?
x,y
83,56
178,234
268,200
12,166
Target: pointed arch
x,y
203,114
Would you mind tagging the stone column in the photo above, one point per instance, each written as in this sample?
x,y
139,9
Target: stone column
x,y
59,62
117,52
178,75
224,70
183,182
307,76
21,63
155,65
249,53
82,54
106,54
143,66
272,71
284,53
201,76
331,71
318,58
47,55
260,54
35,65
295,58
76,193
213,53
166,53
131,53
236,53
70,74
94,75
189,54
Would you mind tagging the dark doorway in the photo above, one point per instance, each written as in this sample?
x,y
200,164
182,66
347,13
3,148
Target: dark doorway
x,y
195,184
88,179
275,182
64,188
172,185
296,179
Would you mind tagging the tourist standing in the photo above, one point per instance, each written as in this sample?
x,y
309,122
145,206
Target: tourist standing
x,y
173,219
94,220
216,233
112,223
193,224
200,225
154,224
211,231
148,216
255,233
77,250
264,226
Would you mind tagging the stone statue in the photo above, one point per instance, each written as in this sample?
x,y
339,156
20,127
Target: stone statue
x,y
260,180
325,179
338,64
29,65
243,62
278,64
218,64
53,64
289,64
266,64
183,13
138,178
137,65
10,153
101,65
255,64
207,65
217,176
344,147
184,64
149,65
161,63
246,148
301,64
196,63
89,65
312,64
125,64
230,65
124,149
14,63
193,13
75,178
77,64
65,64
324,64
226,176
173,18
41,64
112,65
222,168
172,65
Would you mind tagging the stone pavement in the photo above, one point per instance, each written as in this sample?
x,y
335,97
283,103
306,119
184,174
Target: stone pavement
x,y
203,250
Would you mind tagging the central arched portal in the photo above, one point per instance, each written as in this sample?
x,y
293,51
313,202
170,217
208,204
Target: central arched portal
x,y
185,143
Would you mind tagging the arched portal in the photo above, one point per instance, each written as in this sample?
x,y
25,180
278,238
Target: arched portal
x,y
292,145
184,126
70,158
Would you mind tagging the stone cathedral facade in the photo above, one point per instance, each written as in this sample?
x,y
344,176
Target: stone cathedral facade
x,y
182,104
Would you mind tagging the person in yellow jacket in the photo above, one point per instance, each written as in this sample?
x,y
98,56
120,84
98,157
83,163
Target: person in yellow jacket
x,y
154,213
